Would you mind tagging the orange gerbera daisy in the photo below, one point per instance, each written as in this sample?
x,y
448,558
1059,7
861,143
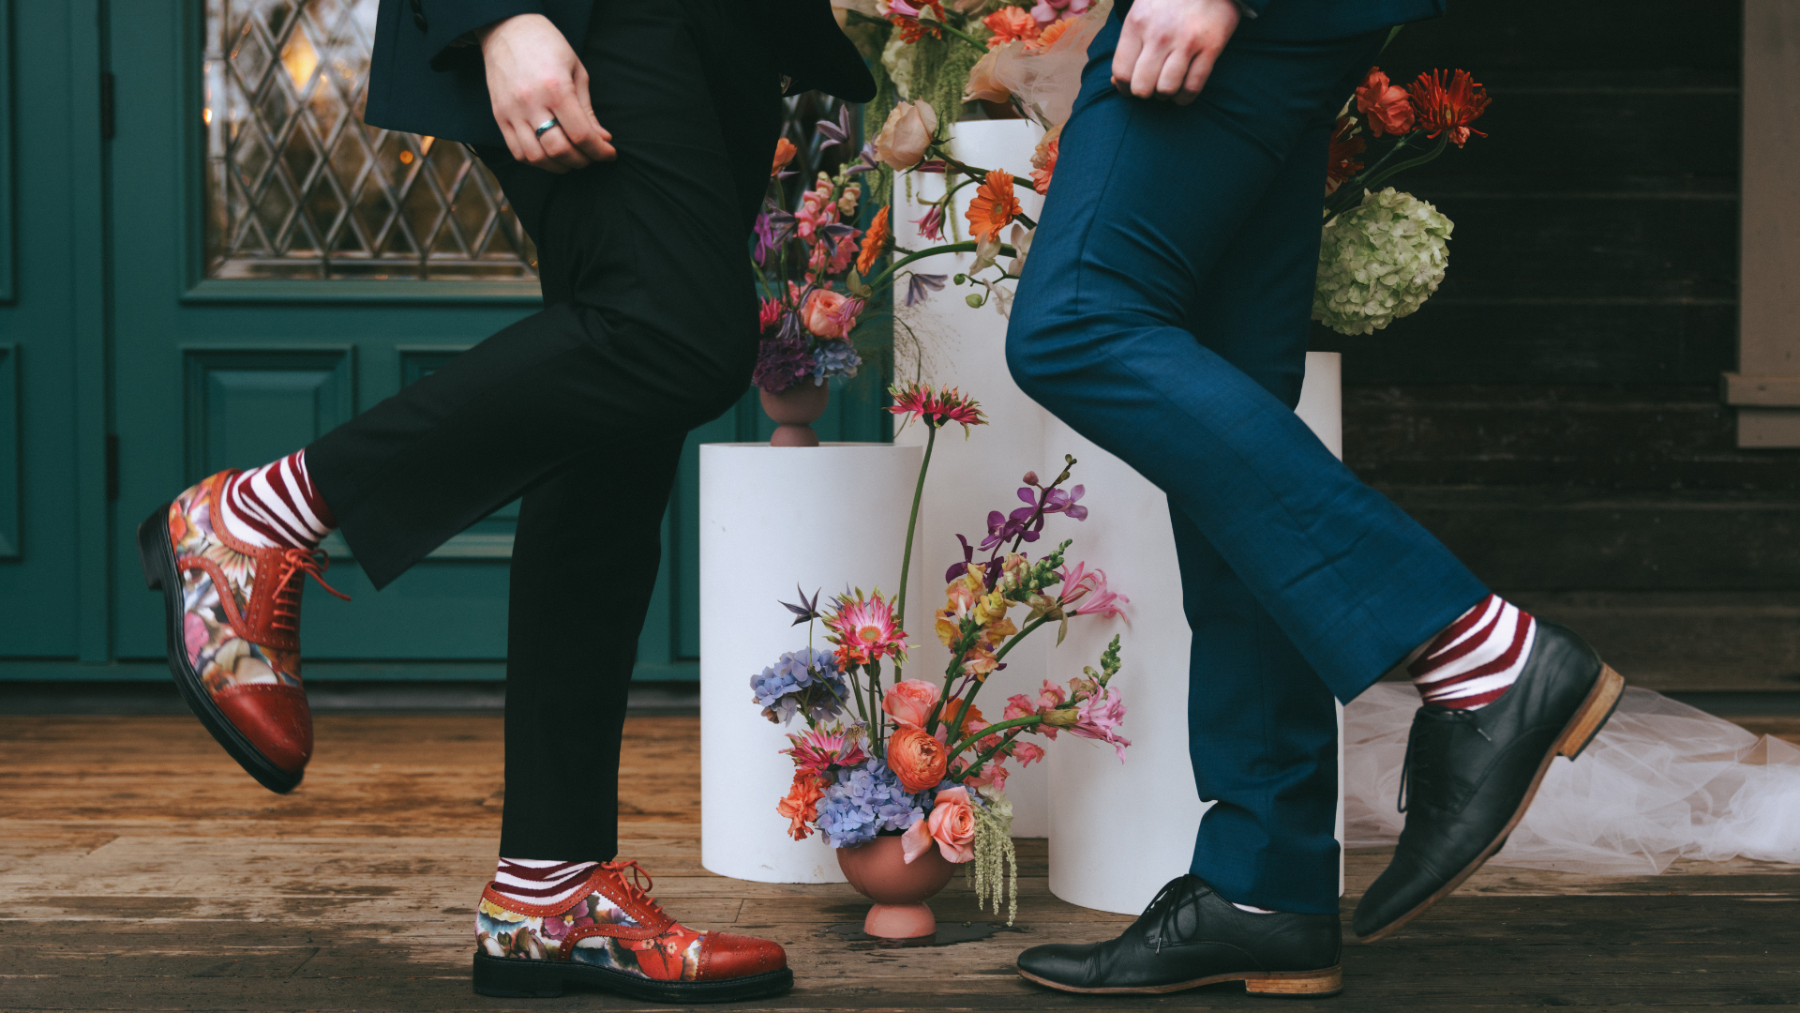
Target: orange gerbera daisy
x,y
1341,163
1048,36
994,205
874,242
1448,108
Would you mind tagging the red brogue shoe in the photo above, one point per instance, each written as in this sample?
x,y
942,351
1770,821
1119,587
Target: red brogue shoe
x,y
611,934
234,631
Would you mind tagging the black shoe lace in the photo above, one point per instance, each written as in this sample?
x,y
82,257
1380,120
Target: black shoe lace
x,y
1417,765
1163,916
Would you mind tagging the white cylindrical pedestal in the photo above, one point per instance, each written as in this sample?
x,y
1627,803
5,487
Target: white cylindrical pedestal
x,y
770,517
1150,800
966,348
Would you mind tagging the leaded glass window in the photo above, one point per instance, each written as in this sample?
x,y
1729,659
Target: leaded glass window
x,y
297,186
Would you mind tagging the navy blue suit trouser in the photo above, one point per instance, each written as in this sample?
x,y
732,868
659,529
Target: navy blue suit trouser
x,y
1163,314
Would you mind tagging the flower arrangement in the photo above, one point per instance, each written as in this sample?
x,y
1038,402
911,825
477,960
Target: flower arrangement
x,y
1382,254
915,758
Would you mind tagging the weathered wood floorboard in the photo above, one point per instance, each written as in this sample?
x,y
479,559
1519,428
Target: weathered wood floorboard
x,y
143,871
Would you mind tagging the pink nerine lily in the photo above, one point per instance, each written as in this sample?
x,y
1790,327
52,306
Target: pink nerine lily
x,y
1099,716
1087,590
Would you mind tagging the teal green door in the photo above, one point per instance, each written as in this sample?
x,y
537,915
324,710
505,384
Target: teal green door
x,y
261,267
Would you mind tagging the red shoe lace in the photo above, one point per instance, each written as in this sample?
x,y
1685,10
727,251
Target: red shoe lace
x,y
637,885
290,582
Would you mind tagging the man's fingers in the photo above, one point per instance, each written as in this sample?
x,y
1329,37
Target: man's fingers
x,y
1148,72
576,128
1125,57
1174,71
1198,71
558,145
604,152
534,153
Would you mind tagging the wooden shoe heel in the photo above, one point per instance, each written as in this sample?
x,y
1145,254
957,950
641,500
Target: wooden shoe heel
x,y
1594,712
1311,984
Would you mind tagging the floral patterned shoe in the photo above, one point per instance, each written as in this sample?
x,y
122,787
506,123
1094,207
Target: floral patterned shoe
x,y
613,935
233,621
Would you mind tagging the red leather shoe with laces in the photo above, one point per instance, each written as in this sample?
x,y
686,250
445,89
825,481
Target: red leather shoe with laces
x,y
233,614
611,934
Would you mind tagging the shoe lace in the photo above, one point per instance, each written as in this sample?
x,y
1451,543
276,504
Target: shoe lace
x,y
290,580
1174,898
637,885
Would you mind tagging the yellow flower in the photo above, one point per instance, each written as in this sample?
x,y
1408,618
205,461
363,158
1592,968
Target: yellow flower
x,y
992,606
996,632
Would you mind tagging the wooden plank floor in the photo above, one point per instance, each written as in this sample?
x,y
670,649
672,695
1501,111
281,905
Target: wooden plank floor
x,y
143,871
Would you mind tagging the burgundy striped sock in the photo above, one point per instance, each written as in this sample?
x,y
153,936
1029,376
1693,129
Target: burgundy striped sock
x,y
276,504
1476,658
540,881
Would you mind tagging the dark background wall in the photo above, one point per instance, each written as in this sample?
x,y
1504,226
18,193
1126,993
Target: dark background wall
x,y
1554,412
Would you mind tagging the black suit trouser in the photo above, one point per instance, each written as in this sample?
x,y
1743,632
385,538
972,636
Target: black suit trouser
x,y
648,330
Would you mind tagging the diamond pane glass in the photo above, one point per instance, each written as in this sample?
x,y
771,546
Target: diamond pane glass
x,y
297,186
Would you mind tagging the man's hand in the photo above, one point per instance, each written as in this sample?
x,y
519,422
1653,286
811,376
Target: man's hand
x,y
1168,47
532,75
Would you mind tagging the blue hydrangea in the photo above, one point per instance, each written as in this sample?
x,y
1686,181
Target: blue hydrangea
x,y
804,678
833,359
864,801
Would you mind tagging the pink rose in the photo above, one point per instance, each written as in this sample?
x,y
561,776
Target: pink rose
x,y
909,130
951,824
910,701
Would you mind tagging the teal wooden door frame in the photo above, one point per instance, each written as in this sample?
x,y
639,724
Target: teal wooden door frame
x,y
176,375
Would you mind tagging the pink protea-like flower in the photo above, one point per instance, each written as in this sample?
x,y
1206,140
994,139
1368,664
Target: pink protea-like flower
x,y
818,749
864,631
937,407
1088,588
1099,716
768,315
931,223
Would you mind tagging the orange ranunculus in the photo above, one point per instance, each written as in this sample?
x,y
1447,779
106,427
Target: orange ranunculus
x,y
1448,107
994,205
1340,161
910,701
916,758
1009,23
801,806
1043,160
784,153
1384,104
874,241
950,825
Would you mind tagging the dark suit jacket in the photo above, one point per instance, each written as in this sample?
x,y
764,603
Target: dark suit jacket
x,y
1301,20
422,83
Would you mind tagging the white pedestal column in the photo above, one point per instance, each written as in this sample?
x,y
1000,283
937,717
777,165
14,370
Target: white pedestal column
x,y
1118,832
966,347
771,517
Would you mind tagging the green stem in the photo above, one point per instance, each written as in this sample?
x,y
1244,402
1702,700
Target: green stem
x,y
951,673
963,247
970,170
974,769
1026,721
1442,143
965,36
874,670
912,524
1021,635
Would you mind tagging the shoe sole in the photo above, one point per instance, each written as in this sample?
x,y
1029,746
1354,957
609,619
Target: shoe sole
x,y
1589,718
513,978
157,555
1319,984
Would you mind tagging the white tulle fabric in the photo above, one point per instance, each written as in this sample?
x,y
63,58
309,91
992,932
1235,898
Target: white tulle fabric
x,y
1662,781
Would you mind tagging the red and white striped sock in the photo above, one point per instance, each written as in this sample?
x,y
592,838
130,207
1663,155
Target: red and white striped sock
x,y
1476,658
539,880
276,504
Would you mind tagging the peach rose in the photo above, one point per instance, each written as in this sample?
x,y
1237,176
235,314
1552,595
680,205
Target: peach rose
x,y
951,824
983,84
916,758
906,134
827,313
910,702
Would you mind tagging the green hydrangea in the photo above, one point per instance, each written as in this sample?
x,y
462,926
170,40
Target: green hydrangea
x,y
1380,261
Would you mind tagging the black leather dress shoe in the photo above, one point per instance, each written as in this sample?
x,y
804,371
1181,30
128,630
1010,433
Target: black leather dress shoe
x,y
1470,774
1190,936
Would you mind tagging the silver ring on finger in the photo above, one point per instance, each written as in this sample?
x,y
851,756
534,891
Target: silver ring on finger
x,y
546,126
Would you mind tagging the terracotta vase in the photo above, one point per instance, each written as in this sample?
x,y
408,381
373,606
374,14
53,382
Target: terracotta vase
x,y
878,871
796,409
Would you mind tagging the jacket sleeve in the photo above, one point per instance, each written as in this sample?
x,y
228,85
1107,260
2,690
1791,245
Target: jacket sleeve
x,y
447,23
